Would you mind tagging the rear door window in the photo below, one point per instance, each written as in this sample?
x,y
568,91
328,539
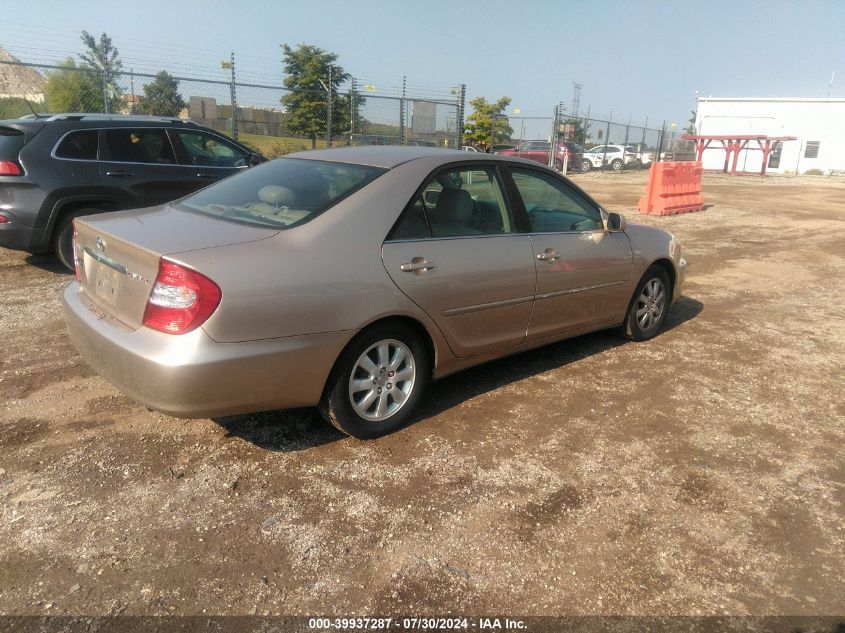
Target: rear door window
x,y
207,150
80,145
138,145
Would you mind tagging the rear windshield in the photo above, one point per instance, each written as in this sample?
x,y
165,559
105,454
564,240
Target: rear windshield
x,y
283,193
11,141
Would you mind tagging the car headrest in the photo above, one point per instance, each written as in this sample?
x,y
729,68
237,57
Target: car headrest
x,y
454,206
274,194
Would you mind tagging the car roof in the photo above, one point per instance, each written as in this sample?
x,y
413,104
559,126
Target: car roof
x,y
386,156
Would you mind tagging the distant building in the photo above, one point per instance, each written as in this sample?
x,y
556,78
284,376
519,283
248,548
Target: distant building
x,y
20,82
818,123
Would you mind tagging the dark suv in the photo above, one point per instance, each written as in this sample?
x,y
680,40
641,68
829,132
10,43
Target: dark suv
x,y
54,168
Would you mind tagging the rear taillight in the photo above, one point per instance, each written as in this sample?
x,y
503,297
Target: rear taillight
x,y
9,168
5,219
77,264
181,300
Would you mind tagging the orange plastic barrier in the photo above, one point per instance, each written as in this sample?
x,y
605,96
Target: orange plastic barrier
x,y
672,188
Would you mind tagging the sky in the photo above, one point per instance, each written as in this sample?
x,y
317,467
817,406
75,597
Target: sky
x,y
643,59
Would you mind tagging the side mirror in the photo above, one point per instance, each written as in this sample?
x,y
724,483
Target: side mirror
x,y
616,222
255,159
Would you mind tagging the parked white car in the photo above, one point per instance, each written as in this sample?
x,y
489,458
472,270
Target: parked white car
x,y
611,156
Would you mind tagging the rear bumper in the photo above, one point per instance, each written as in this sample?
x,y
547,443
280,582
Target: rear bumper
x,y
20,237
192,375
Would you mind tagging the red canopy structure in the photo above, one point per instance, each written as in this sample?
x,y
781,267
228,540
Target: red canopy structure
x,y
734,144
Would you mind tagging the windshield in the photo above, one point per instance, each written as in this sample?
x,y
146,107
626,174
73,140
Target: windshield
x,y
283,193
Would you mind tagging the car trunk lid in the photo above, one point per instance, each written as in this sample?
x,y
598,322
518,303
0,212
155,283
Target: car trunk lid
x,y
119,252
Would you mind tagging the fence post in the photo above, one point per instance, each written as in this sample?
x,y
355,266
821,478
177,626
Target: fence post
x,y
329,110
233,99
607,140
459,123
105,93
625,144
645,127
402,113
660,141
352,111
459,132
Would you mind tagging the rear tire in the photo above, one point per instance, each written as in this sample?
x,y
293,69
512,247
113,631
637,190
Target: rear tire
x,y
63,237
377,381
649,305
616,165
586,165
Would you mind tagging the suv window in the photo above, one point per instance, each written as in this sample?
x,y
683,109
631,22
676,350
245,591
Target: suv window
x,y
207,150
552,206
80,145
138,145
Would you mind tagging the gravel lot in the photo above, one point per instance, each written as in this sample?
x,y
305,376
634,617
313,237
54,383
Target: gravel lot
x,y
699,473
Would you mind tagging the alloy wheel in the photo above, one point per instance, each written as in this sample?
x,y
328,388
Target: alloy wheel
x,y
382,380
650,304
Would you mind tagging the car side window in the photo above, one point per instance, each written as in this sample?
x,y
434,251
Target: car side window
x,y
412,225
206,150
552,206
139,145
455,203
79,145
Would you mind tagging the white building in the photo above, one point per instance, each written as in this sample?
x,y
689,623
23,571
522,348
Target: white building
x,y
818,124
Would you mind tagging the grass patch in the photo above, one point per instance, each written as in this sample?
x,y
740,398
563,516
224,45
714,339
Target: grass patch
x,y
274,146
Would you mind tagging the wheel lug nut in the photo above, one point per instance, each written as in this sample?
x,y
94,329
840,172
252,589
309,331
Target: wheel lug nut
x,y
379,390
391,374
390,385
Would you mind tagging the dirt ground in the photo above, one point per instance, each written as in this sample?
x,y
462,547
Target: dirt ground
x,y
699,473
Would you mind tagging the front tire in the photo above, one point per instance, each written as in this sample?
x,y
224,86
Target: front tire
x,y
649,305
377,381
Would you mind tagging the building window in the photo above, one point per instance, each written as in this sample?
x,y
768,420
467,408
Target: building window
x,y
811,149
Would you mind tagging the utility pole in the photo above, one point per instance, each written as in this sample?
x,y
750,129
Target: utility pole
x,y
459,124
576,97
105,93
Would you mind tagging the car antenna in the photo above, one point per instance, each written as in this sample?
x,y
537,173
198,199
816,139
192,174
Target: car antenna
x,y
31,109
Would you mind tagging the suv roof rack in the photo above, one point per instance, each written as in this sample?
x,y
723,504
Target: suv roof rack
x,y
79,116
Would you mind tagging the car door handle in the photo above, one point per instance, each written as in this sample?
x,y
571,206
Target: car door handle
x,y
119,174
549,255
204,175
415,265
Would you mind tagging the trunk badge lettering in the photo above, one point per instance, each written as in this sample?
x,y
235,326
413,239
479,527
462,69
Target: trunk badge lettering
x,y
101,244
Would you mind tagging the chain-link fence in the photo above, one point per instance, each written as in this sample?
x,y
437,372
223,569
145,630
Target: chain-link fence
x,y
616,144
357,112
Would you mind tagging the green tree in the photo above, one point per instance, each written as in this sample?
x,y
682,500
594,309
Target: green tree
x,y
579,132
102,60
72,89
690,128
161,96
488,124
308,69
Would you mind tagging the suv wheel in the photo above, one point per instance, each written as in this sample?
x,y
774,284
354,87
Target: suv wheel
x,y
586,165
377,382
63,237
616,165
